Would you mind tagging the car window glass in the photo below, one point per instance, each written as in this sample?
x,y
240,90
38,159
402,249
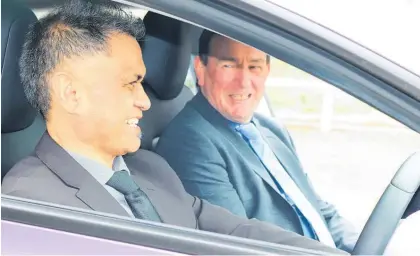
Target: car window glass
x,y
350,150
190,80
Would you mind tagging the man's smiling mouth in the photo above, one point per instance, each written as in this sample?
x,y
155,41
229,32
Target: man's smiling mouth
x,y
240,97
132,122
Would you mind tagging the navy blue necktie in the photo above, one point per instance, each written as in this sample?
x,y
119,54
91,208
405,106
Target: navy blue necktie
x,y
138,201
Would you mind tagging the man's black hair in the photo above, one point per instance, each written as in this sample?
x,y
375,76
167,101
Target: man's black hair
x,y
204,46
76,28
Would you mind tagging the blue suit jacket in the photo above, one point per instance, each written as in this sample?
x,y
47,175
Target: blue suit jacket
x,y
216,164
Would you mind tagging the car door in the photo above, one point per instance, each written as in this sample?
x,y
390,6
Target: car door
x,y
32,227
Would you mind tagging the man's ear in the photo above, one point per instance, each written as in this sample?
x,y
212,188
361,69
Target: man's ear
x,y
64,92
199,70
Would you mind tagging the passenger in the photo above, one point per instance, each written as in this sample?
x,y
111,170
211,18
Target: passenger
x,y
246,163
82,68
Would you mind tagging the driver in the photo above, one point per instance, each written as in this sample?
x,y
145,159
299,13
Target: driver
x,y
228,155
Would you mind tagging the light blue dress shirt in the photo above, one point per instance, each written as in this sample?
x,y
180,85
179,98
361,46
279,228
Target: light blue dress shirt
x,y
102,174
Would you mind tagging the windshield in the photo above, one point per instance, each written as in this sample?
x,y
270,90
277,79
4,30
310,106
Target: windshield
x,y
389,28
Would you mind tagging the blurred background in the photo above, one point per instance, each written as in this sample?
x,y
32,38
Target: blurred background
x,y
350,150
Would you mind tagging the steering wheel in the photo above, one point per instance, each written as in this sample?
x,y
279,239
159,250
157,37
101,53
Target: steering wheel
x,y
384,219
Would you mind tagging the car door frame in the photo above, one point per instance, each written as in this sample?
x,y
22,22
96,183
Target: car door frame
x,y
126,231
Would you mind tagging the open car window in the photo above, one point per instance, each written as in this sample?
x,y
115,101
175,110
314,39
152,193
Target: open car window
x,y
350,150
289,52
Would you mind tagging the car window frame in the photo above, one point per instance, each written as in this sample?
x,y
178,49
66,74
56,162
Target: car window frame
x,y
135,231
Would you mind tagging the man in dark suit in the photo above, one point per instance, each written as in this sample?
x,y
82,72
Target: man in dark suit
x,y
82,68
244,162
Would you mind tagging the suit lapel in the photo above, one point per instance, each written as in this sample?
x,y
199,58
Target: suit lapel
x,y
166,205
246,152
91,192
97,197
289,162
200,104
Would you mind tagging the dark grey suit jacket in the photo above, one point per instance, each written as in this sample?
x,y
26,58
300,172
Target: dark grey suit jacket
x,y
52,175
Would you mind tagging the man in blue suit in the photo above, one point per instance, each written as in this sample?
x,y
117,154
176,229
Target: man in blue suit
x,y
227,154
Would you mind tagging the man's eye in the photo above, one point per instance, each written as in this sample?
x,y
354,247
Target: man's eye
x,y
255,67
228,66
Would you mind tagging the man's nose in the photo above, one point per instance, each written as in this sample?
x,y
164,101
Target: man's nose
x,y
141,100
244,78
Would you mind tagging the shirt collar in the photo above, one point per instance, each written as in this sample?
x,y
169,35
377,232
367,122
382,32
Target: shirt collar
x,y
99,171
235,125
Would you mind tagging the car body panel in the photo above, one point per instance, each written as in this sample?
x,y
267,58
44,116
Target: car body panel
x,y
18,239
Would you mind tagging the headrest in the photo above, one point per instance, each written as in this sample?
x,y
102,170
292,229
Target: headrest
x,y
16,112
166,53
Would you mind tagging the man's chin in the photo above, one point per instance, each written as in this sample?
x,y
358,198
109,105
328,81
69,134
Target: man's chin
x,y
134,146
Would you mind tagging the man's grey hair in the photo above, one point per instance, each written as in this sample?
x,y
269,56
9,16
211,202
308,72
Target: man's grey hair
x,y
76,28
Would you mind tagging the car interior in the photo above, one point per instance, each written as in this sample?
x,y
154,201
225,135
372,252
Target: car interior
x,y
21,126
167,49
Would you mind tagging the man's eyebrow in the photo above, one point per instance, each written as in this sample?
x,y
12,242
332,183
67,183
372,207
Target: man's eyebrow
x,y
257,60
226,58
138,78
